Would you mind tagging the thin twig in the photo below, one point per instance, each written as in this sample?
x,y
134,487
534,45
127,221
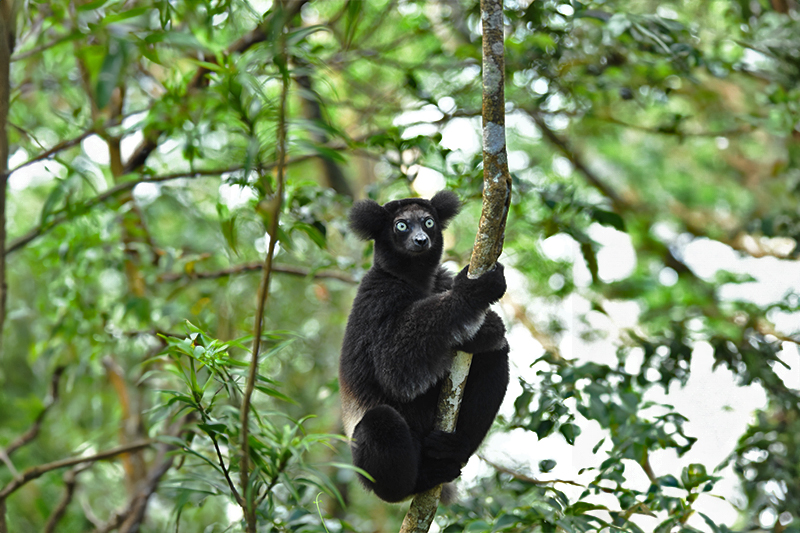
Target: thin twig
x,y
263,294
130,517
47,154
39,470
68,214
525,478
7,38
676,132
257,266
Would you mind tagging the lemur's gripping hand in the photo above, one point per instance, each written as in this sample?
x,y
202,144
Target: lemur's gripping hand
x,y
483,291
491,336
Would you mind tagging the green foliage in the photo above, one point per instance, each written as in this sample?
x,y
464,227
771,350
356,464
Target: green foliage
x,y
143,152
209,390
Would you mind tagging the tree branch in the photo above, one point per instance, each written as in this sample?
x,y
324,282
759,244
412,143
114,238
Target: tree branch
x,y
257,266
525,478
7,38
39,470
489,239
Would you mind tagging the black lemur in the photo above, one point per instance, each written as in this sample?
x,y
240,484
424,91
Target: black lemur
x,y
407,320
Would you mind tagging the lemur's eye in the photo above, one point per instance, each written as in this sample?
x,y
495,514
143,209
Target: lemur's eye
x,y
401,226
429,223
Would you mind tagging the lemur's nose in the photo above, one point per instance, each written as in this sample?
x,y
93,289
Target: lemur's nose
x,y
420,239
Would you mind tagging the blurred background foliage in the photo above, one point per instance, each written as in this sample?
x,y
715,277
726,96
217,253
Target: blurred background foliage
x,y
143,153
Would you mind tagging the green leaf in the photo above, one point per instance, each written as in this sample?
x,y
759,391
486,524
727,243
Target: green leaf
x,y
54,199
668,481
570,431
313,232
274,393
300,34
607,218
477,525
212,429
110,71
94,4
125,15
505,521
546,465
543,428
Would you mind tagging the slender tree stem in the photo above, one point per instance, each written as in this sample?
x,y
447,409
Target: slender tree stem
x,y
248,496
7,37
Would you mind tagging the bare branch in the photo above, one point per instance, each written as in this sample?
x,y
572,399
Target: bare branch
x,y
525,478
7,39
60,147
257,266
38,471
676,132
129,518
66,215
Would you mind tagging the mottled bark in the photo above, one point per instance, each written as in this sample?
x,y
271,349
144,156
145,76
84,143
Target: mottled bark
x,y
7,38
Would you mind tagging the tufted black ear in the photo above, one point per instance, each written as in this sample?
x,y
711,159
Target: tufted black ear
x,y
447,206
368,219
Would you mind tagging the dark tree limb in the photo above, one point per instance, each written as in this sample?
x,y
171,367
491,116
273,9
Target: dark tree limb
x,y
257,266
7,38
40,470
566,150
489,238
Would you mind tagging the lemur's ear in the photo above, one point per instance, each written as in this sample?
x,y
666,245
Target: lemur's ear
x,y
447,206
368,219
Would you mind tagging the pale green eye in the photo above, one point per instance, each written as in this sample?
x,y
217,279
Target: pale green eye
x,y
401,226
429,223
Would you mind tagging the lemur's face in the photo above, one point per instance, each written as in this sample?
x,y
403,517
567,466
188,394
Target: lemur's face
x,y
414,230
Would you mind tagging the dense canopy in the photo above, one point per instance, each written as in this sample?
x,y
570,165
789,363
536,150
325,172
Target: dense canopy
x,y
651,250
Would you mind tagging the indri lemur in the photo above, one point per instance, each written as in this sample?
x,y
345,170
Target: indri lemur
x,y
407,320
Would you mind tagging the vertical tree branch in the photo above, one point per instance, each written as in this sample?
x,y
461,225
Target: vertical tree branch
x,y
7,38
489,238
247,495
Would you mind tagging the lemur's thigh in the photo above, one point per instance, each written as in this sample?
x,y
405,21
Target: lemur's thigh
x,y
384,447
483,394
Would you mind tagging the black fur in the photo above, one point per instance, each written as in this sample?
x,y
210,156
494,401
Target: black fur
x,y
408,318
